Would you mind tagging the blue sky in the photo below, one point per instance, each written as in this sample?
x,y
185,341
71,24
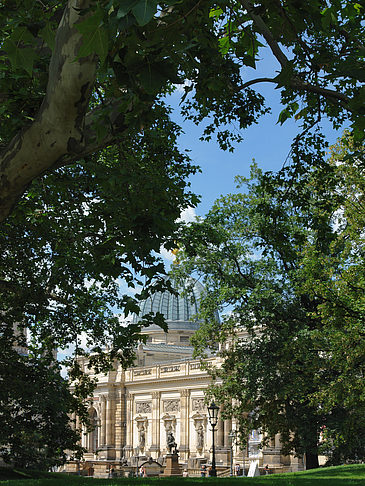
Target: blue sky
x,y
267,142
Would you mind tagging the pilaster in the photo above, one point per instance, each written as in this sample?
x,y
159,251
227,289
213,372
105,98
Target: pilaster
x,y
103,421
184,423
119,425
129,421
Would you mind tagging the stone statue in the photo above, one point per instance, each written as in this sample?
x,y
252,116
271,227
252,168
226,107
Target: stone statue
x,y
142,437
200,434
171,444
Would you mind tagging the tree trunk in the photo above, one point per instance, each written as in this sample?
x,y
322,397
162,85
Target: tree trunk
x,y
311,460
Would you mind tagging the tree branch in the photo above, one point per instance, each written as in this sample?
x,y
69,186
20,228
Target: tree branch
x,y
59,125
258,80
265,32
296,82
329,93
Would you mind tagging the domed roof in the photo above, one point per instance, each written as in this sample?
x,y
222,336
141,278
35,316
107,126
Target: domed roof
x,y
178,310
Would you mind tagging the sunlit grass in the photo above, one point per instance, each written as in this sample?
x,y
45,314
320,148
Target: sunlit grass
x,y
353,475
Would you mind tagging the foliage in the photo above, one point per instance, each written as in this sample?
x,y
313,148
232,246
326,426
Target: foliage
x,y
90,173
122,57
334,275
281,259
67,244
35,404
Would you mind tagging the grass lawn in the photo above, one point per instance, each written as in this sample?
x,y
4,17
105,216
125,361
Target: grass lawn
x,y
353,475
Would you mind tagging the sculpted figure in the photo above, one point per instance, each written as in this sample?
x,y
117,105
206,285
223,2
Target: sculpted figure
x,y
142,437
200,434
171,444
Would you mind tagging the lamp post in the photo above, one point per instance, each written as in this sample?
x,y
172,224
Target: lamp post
x,y
213,410
137,460
232,437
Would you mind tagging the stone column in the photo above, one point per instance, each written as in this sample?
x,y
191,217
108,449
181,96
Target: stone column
x,y
110,424
129,424
84,438
112,416
278,441
227,430
78,427
220,433
108,434
119,425
184,423
73,421
155,446
103,421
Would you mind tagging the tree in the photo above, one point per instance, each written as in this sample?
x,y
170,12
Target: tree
x,y
35,405
64,248
287,273
108,62
91,181
335,276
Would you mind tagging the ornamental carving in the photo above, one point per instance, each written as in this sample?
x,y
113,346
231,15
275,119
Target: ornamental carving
x,y
170,369
171,405
142,372
198,404
195,366
169,423
143,407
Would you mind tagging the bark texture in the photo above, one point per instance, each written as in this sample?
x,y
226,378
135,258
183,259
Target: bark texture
x,y
58,131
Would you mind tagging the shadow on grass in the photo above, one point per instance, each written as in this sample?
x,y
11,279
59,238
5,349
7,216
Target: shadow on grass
x,y
353,475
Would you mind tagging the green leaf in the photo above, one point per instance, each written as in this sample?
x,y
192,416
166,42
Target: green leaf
x,y
126,22
20,57
95,36
288,112
48,35
144,11
125,8
215,12
22,35
20,54
224,45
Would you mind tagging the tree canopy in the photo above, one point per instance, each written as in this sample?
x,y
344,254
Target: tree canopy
x,y
286,260
78,75
91,179
36,405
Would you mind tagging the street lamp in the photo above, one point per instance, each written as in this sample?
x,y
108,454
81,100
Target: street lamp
x,y
213,410
137,460
232,438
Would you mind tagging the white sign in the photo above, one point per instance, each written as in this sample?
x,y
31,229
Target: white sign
x,y
254,469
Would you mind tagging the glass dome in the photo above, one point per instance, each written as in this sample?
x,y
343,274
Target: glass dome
x,y
178,310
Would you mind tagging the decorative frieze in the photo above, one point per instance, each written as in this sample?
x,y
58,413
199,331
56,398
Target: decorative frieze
x,y
143,407
198,404
170,369
142,372
195,366
171,405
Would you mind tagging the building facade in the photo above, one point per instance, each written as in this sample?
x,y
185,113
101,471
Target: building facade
x,y
133,410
